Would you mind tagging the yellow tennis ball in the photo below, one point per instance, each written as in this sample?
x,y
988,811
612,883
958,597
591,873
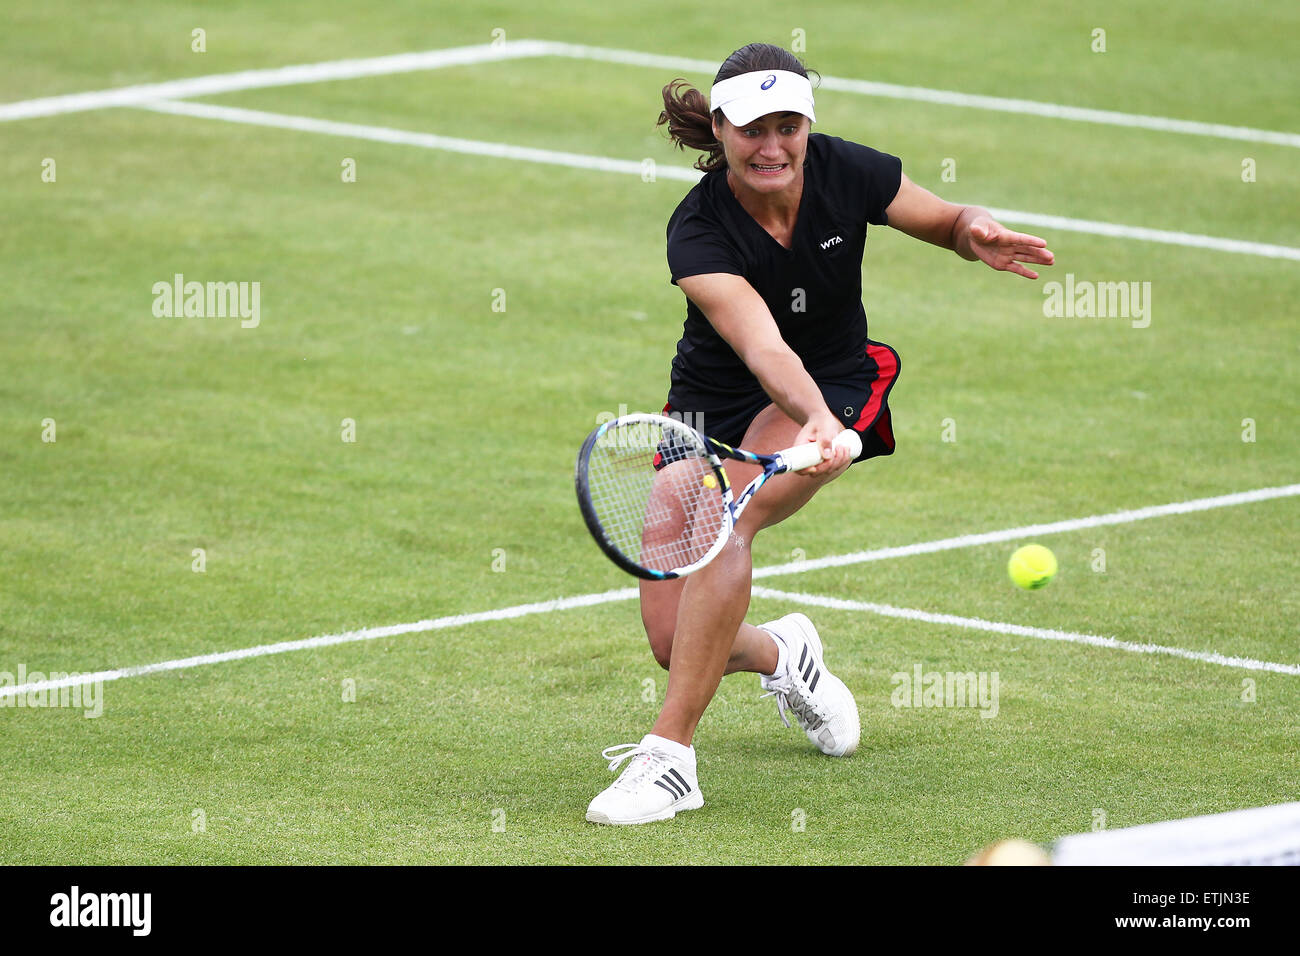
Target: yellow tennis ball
x,y
710,481
1032,566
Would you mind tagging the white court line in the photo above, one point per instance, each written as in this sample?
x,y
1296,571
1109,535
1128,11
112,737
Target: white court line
x,y
1033,530
326,640
262,79
516,49
1041,633
950,98
382,134
1190,239
627,594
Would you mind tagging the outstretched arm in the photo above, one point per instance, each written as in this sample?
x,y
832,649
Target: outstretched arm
x,y
967,230
742,318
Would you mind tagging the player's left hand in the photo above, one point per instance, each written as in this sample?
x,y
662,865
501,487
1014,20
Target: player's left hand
x,y
1004,250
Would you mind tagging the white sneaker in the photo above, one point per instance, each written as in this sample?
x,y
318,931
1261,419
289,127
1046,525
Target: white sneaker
x,y
654,786
824,707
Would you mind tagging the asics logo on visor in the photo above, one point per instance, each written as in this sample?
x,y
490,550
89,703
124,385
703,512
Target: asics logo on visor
x,y
769,82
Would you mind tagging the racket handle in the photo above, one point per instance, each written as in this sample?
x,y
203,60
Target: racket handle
x,y
810,453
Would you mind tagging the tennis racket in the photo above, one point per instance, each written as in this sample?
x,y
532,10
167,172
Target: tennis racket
x,y
656,498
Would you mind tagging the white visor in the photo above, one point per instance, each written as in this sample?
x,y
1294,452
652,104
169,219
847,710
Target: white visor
x,y
744,98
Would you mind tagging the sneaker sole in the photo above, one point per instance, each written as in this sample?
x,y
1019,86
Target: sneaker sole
x,y
854,731
692,801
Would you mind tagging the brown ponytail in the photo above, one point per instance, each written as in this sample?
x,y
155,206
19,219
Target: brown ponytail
x,y
689,124
686,111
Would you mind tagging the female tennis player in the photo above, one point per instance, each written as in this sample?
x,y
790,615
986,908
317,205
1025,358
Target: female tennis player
x,y
768,250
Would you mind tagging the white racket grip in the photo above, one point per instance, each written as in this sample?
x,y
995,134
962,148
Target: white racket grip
x,y
810,453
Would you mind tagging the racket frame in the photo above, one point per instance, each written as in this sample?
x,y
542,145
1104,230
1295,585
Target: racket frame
x,y
791,459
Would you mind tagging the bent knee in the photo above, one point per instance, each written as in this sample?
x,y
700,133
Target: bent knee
x,y
663,653
661,645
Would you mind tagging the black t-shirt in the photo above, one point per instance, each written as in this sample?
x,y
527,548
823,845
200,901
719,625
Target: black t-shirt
x,y
813,289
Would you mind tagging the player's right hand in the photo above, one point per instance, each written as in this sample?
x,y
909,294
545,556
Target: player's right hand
x,y
822,428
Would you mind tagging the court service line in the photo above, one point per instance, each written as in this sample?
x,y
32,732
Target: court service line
x,y
517,49
1039,633
382,134
627,594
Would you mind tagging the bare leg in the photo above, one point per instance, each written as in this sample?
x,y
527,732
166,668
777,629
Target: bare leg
x,y
752,650
712,603
713,606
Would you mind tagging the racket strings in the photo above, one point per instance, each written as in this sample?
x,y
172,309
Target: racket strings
x,y
655,494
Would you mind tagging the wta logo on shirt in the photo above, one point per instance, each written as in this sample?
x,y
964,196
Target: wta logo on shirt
x,y
831,241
